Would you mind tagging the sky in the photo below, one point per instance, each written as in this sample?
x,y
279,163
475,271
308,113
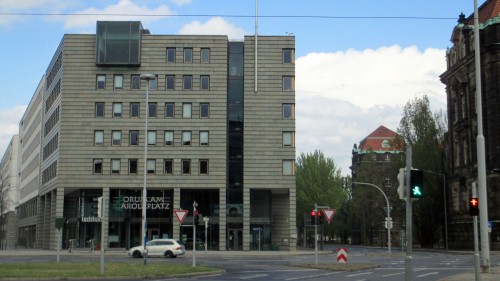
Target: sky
x,y
357,62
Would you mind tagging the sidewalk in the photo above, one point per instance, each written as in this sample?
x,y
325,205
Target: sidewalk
x,y
494,275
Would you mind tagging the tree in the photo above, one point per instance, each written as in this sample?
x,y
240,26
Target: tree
x,y
319,181
425,133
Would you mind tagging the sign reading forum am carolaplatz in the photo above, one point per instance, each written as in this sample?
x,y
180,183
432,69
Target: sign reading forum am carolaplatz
x,y
121,203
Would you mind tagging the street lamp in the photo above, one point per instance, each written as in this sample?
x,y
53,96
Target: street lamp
x,y
147,78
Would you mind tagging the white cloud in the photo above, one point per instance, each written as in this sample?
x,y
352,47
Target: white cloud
x,y
342,97
181,2
214,26
91,15
9,125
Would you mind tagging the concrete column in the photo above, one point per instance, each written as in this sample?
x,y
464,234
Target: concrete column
x,y
52,220
293,219
46,222
39,222
176,203
246,219
222,219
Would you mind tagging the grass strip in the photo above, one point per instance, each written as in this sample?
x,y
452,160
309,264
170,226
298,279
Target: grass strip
x,y
92,269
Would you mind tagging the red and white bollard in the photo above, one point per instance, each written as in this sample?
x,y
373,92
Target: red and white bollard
x,y
342,255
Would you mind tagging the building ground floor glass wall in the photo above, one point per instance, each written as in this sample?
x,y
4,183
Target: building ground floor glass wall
x,y
264,221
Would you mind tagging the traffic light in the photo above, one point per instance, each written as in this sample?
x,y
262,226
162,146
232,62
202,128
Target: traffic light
x,y
416,184
320,217
474,206
313,218
196,218
402,185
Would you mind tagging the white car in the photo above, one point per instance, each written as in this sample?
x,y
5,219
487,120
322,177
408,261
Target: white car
x,y
159,247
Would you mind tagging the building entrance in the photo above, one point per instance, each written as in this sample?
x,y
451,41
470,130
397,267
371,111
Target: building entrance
x,y
234,239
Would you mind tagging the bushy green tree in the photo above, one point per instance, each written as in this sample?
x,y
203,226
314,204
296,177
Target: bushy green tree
x,y
319,181
425,131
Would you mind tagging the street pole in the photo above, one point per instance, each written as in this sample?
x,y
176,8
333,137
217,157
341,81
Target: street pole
x,y
102,233
476,242
194,233
315,234
389,219
481,154
409,236
147,78
206,219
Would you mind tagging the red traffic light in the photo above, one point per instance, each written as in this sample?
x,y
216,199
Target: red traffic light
x,y
474,206
313,213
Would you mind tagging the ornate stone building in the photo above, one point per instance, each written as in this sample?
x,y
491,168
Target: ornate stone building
x,y
459,79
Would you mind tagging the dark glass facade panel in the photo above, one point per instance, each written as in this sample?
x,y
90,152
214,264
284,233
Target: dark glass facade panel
x,y
236,174
118,43
235,145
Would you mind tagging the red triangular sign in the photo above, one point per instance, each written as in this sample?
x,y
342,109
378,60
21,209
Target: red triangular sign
x,y
181,215
329,214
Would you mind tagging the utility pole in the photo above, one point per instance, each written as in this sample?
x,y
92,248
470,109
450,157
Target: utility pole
x,y
409,222
194,232
481,154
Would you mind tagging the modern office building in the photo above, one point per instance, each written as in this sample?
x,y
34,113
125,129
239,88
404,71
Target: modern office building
x,y
220,132
460,82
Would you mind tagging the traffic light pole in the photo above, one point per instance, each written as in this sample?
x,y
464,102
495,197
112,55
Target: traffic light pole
x,y
316,231
476,242
389,220
194,233
409,236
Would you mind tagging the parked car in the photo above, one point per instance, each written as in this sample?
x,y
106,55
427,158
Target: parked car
x,y
159,247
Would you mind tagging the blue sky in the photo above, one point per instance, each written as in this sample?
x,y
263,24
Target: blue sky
x,y
354,70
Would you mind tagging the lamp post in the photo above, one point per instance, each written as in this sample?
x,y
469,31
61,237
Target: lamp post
x,y
147,78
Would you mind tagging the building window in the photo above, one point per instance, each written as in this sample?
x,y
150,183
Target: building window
x,y
152,110
204,138
116,138
203,167
205,82
151,166
153,84
205,55
170,82
186,166
170,55
151,137
187,82
99,109
288,56
188,55
204,110
169,138
97,166
134,109
134,137
117,109
186,110
132,166
135,82
186,138
288,111
118,82
101,82
289,139
288,83
288,168
98,137
169,166
169,110
115,166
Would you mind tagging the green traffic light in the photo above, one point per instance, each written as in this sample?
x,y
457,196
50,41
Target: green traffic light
x,y
416,191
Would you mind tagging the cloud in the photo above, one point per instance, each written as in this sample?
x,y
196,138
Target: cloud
x,y
386,76
89,16
342,97
9,125
214,26
181,2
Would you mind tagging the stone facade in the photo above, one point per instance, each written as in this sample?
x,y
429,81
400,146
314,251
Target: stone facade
x,y
459,79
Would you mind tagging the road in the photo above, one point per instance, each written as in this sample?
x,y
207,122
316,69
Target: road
x,y
428,265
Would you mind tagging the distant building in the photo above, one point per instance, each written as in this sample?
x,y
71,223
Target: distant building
x,y
377,151
215,136
459,79
9,194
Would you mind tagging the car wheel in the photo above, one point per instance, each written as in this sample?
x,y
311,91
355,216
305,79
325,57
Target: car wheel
x,y
137,254
169,254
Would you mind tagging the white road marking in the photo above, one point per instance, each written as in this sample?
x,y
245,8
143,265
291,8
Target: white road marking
x,y
364,273
427,274
254,276
311,276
